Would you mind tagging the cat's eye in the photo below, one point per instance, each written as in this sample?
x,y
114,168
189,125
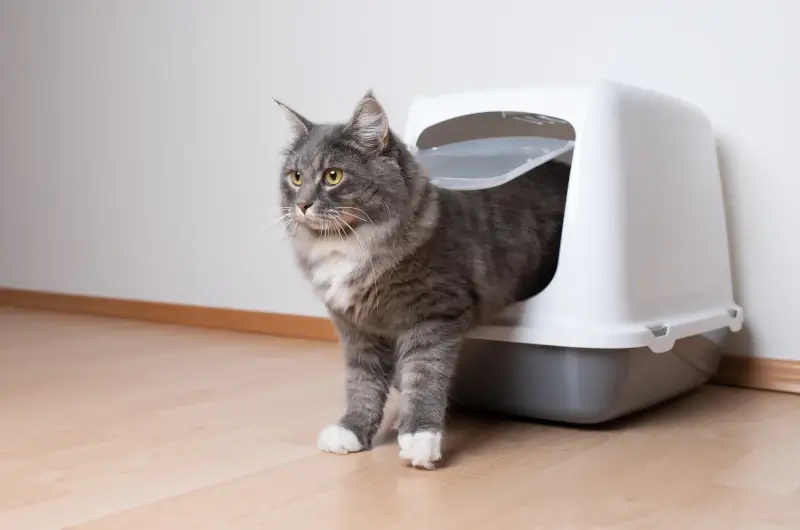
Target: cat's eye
x,y
333,176
295,178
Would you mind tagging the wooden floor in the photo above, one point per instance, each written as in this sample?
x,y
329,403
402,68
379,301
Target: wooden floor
x,y
116,425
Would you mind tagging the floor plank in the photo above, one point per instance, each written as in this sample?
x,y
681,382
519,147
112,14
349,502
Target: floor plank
x,y
111,425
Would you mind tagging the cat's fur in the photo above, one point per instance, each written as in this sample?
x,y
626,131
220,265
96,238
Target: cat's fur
x,y
406,269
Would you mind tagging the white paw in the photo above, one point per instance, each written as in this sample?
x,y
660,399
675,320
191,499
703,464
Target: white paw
x,y
422,448
337,439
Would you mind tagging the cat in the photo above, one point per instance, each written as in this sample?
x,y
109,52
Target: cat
x,y
405,268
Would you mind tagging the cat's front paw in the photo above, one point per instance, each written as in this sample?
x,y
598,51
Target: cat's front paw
x,y
421,449
336,439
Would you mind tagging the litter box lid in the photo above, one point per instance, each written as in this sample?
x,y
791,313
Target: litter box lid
x,y
488,162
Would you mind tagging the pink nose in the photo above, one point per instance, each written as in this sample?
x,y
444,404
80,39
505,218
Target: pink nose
x,y
303,205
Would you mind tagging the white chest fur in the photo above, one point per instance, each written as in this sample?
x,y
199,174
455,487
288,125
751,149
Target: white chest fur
x,y
331,278
334,265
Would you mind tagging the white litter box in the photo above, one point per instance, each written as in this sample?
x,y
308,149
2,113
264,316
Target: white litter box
x,y
642,296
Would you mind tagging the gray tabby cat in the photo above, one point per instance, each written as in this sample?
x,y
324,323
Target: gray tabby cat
x,y
406,269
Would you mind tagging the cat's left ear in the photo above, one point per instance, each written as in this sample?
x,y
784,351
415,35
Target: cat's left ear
x,y
300,125
369,123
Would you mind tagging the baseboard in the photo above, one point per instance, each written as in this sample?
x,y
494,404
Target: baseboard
x,y
780,375
740,371
186,315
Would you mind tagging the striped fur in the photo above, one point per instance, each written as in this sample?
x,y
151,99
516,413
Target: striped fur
x,y
406,269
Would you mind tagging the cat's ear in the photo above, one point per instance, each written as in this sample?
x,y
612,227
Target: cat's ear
x,y
299,124
369,123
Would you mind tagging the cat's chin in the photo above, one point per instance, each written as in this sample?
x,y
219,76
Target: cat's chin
x,y
314,224
326,227
318,228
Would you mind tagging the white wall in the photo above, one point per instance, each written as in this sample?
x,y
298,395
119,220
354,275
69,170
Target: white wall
x,y
138,138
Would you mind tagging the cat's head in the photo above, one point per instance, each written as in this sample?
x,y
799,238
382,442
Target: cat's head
x,y
337,178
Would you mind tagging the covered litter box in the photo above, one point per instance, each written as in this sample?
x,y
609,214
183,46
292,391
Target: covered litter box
x,y
642,297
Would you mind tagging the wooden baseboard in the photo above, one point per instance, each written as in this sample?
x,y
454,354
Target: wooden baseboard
x,y
780,375
186,315
746,372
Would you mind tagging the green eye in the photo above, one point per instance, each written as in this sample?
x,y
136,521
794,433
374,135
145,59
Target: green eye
x,y
294,178
333,176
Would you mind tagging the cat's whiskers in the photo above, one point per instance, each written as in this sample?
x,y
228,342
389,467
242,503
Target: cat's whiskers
x,y
366,252
284,212
285,221
274,222
326,226
358,210
330,228
357,217
294,230
338,229
391,217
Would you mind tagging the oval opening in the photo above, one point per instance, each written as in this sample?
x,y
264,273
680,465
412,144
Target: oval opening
x,y
489,149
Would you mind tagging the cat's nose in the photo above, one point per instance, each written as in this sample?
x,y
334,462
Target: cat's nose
x,y
303,205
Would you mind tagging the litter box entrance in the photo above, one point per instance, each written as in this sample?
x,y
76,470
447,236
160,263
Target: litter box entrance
x,y
484,150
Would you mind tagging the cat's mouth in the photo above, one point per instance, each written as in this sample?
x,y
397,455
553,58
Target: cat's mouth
x,y
328,224
316,222
313,222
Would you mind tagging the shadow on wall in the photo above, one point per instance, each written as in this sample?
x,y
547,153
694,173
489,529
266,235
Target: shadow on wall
x,y
740,343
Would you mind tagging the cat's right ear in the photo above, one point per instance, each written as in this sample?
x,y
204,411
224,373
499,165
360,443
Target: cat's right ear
x,y
369,122
299,124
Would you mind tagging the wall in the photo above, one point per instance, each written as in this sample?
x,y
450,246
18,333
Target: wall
x,y
138,139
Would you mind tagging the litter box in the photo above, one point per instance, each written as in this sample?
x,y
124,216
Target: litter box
x,y
641,299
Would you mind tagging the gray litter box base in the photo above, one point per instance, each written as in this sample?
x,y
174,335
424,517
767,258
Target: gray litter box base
x,y
573,385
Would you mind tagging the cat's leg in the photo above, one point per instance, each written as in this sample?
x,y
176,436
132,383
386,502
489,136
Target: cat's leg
x,y
369,360
426,360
